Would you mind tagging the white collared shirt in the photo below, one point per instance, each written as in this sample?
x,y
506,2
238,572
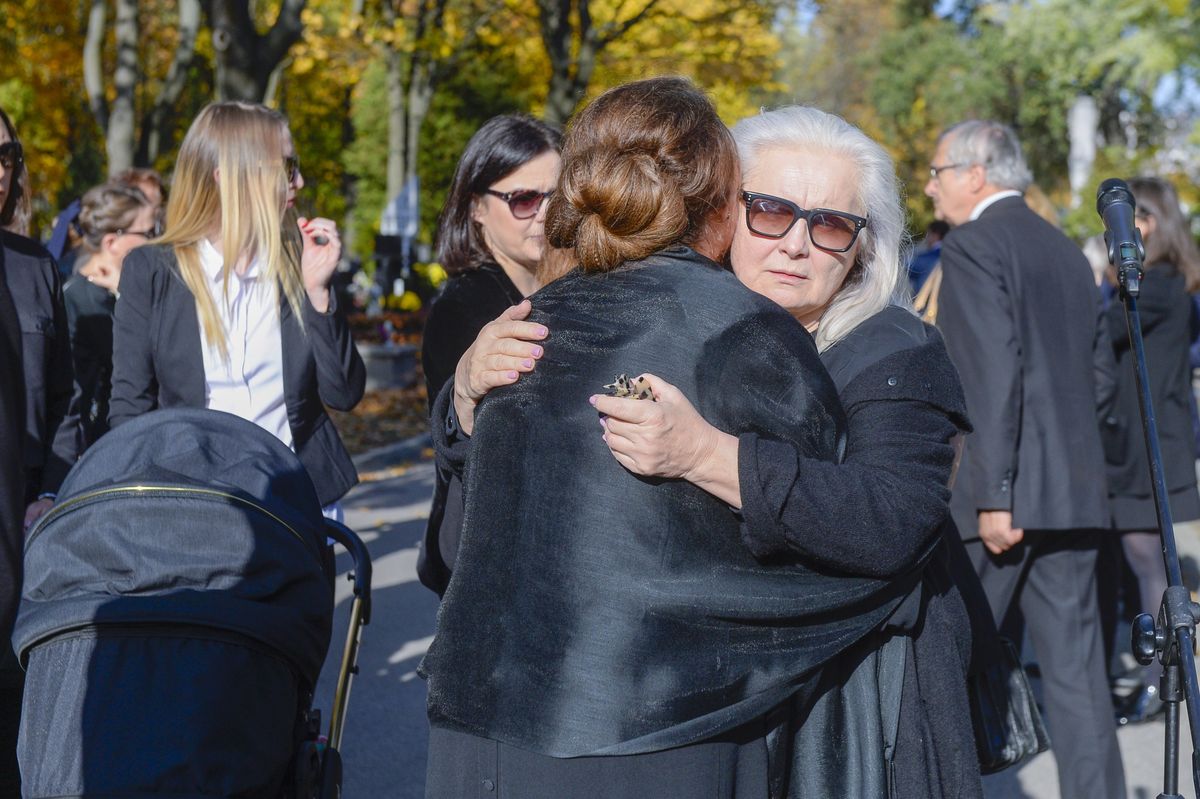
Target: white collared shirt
x,y
250,383
987,202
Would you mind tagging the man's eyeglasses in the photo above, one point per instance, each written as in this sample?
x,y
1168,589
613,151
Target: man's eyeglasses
x,y
773,217
291,167
11,155
523,203
934,171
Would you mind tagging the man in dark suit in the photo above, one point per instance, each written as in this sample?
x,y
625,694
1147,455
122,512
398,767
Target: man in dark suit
x,y
1019,311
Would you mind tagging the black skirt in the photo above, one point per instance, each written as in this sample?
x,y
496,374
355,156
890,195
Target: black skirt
x,y
1137,513
463,766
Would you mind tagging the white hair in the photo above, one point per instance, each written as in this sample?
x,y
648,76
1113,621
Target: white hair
x,y
993,146
878,277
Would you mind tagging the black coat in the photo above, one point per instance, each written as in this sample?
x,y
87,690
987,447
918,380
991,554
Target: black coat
x,y
50,448
12,434
158,363
1166,313
467,302
1020,313
883,512
90,317
592,611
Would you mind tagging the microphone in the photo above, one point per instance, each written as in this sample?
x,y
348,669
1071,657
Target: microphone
x,y
1116,206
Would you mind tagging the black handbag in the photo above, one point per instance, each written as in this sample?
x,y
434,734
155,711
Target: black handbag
x,y
1008,725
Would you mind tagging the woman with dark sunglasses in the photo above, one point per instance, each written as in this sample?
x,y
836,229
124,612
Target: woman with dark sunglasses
x,y
491,236
821,232
37,448
114,218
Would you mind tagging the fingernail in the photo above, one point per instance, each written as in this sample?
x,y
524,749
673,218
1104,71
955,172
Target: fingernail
x,y
541,331
592,400
537,352
512,375
528,363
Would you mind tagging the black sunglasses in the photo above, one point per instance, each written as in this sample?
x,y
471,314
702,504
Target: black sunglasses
x,y
773,217
11,155
291,166
523,203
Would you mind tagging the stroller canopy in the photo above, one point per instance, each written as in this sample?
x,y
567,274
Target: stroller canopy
x,y
184,517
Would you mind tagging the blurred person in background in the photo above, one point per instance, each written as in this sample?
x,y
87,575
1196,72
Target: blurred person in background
x,y
31,305
114,219
1165,306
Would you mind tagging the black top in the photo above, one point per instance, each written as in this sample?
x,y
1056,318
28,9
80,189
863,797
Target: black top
x,y
467,302
883,511
12,433
593,611
50,448
1166,315
158,363
90,317
1021,316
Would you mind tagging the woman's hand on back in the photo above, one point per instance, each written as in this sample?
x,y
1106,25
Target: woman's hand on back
x,y
502,351
669,438
318,261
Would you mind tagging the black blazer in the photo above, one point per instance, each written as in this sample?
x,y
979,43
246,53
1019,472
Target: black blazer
x,y
50,448
12,434
1021,318
158,363
1166,313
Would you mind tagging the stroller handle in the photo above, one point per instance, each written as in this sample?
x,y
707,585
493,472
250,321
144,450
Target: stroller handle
x,y
362,562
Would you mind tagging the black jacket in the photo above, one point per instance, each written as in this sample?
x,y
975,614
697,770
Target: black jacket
x,y
467,303
882,512
50,448
158,363
1166,313
1020,313
90,317
12,434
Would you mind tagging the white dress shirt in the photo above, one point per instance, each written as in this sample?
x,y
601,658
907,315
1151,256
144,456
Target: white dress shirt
x,y
250,383
990,200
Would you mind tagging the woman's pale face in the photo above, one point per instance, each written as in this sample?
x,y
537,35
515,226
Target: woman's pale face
x,y
512,241
790,270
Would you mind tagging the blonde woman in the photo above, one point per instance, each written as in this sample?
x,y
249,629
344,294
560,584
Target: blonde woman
x,y
232,309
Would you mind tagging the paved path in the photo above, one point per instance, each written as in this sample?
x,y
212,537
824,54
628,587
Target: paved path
x,y
386,731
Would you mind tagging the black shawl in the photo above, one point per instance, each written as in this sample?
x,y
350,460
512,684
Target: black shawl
x,y
595,612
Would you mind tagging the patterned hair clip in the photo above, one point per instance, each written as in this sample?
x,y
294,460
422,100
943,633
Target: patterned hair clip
x,y
638,388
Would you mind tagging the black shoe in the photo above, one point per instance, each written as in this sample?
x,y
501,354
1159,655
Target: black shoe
x,y
1145,705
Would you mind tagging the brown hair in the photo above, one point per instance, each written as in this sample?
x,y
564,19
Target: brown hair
x,y
645,166
136,176
108,208
16,212
1171,243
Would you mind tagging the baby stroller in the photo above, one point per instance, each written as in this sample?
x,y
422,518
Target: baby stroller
x,y
176,612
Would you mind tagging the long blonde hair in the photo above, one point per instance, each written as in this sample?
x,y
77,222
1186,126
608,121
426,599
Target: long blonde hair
x,y
242,145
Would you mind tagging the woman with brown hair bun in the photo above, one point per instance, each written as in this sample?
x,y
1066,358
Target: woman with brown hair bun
x,y
605,634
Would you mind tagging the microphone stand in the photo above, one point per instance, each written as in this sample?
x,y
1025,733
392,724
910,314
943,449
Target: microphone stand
x,y
1172,635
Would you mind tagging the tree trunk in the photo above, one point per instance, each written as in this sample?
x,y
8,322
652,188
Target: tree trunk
x,y
245,58
157,127
93,62
121,120
396,128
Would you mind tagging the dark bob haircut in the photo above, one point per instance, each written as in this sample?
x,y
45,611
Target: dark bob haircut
x,y
16,212
501,146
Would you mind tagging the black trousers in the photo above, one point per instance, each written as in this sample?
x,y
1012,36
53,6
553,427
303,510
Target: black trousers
x,y
1047,585
12,686
465,766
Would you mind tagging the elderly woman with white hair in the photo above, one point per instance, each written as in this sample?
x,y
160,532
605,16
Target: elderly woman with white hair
x,y
821,232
